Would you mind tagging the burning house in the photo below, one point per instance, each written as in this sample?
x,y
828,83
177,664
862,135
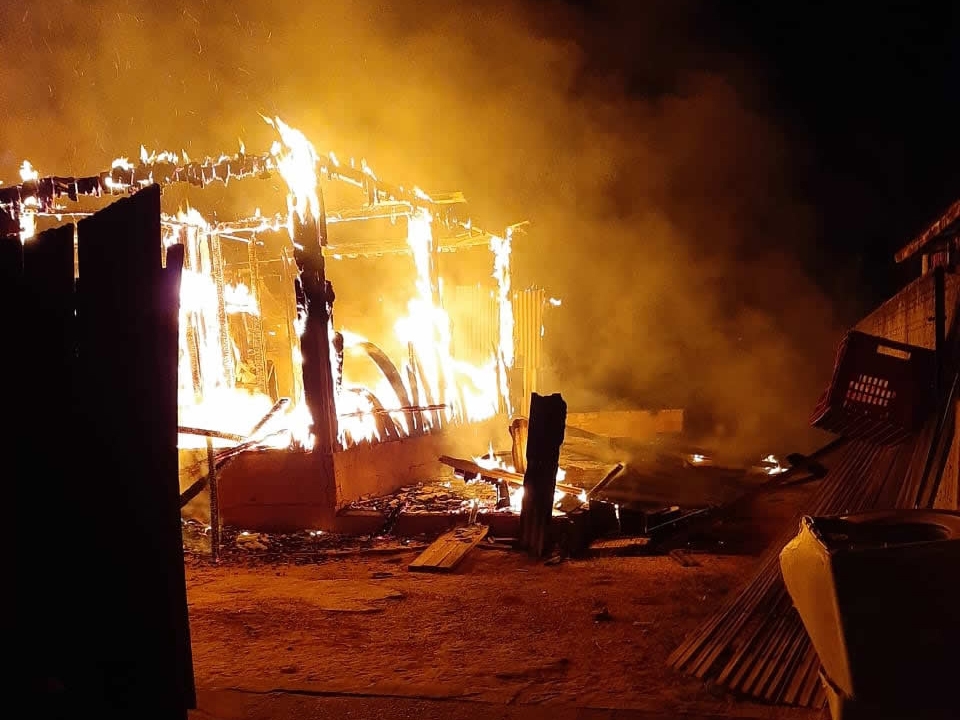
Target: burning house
x,y
293,399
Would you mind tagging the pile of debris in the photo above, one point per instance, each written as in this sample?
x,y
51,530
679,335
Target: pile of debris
x,y
240,547
454,495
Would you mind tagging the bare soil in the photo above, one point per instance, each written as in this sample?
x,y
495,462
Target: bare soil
x,y
502,629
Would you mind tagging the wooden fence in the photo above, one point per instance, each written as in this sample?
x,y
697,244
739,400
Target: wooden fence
x,y
90,364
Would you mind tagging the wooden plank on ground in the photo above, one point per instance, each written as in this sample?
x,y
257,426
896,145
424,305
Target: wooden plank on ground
x,y
618,546
469,467
446,552
682,557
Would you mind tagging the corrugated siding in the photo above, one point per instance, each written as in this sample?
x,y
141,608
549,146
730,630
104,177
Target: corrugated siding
x,y
474,322
475,330
528,344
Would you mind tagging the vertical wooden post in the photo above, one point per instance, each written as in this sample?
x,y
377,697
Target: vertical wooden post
x,y
315,300
548,418
213,487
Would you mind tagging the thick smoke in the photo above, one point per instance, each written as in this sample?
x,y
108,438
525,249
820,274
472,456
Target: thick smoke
x,y
660,200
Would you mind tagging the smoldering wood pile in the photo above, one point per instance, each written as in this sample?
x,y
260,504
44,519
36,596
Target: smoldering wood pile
x,y
452,496
756,644
239,547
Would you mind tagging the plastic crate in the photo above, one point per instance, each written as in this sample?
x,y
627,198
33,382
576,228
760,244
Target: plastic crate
x,y
880,391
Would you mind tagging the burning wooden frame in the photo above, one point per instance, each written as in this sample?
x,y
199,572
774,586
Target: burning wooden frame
x,y
230,347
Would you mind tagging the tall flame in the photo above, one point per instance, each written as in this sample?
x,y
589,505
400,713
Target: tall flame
x,y
501,248
208,395
427,326
28,173
29,205
296,160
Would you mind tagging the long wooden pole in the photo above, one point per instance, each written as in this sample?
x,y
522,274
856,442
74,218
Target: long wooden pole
x,y
315,303
214,503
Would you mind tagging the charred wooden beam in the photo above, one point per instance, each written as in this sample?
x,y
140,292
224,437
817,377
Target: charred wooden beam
x,y
201,432
392,374
518,433
167,169
503,494
315,303
548,418
381,410
469,467
606,480
271,413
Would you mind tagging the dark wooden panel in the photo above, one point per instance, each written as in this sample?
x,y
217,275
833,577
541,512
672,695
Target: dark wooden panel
x,y
127,319
44,349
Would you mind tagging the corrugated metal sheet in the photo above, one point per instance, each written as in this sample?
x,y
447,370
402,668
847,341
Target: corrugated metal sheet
x,y
528,344
475,330
474,321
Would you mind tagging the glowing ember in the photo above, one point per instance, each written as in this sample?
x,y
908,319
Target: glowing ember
x,y
490,461
773,466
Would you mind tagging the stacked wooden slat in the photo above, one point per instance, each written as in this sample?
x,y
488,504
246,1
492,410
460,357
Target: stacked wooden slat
x,y
756,645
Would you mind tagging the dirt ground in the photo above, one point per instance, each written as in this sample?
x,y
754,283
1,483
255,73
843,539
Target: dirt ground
x,y
272,634
502,629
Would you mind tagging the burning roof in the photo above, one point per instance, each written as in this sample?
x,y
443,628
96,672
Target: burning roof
x,y
430,388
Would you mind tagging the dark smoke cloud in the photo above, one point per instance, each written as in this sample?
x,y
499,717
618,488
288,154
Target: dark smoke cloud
x,y
661,204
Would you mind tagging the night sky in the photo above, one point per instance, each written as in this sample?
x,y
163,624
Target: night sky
x,y
875,94
868,97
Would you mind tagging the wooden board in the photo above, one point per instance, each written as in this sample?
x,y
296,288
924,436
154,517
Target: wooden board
x,y
618,546
446,552
469,467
